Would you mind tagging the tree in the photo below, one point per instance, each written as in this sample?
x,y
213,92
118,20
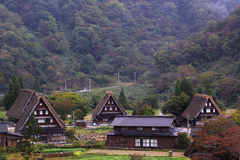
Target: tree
x,y
64,107
13,90
80,103
9,96
186,87
176,105
37,85
27,148
220,136
1,77
146,111
183,141
152,101
20,81
78,114
122,100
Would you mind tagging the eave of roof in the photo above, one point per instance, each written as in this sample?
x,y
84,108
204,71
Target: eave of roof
x,y
143,121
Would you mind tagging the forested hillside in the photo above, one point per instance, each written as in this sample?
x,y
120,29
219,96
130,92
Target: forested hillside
x,y
210,56
59,40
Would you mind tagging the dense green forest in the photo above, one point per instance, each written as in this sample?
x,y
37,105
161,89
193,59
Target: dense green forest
x,y
69,41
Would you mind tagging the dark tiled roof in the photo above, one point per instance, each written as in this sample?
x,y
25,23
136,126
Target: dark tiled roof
x,y
144,121
25,104
195,106
3,128
162,134
104,100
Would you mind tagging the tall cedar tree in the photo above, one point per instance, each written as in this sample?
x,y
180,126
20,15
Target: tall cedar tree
x,y
220,136
122,100
37,85
27,148
9,96
14,86
186,87
20,81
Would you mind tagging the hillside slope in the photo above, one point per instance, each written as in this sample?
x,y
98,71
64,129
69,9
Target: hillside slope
x,y
56,40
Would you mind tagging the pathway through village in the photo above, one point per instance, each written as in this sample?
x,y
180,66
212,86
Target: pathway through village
x,y
127,152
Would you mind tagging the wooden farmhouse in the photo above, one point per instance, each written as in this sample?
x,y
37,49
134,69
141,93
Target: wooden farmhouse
x,y
202,106
143,132
107,109
28,102
8,138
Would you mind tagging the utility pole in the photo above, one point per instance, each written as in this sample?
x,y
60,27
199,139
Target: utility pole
x,y
65,87
134,76
89,84
118,77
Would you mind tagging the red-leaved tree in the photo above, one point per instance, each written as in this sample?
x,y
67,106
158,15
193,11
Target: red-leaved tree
x,y
220,137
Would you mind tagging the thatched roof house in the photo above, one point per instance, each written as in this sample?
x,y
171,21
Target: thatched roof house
x,y
201,106
28,102
107,109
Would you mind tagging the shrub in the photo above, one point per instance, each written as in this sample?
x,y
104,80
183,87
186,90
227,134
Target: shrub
x,y
136,156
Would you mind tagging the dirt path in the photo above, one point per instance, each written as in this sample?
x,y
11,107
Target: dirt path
x,y
125,152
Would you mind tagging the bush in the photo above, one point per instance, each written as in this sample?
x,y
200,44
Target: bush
x,y
78,154
136,156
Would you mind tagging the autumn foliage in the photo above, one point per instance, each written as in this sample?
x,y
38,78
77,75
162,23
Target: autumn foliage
x,y
220,137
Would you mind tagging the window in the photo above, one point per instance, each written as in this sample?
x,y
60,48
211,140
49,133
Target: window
x,y
210,104
115,108
112,102
208,110
154,128
35,112
40,104
46,112
109,102
105,119
124,128
202,111
205,104
146,142
59,134
154,143
121,140
105,108
51,120
137,143
139,128
214,110
40,112
54,134
110,108
41,120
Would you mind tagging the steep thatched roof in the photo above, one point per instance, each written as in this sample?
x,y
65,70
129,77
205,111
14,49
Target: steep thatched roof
x,y
24,106
196,105
109,94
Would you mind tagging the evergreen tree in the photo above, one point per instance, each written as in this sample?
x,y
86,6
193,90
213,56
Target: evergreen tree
x,y
9,96
177,89
186,87
20,81
16,88
37,85
27,148
199,90
122,100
